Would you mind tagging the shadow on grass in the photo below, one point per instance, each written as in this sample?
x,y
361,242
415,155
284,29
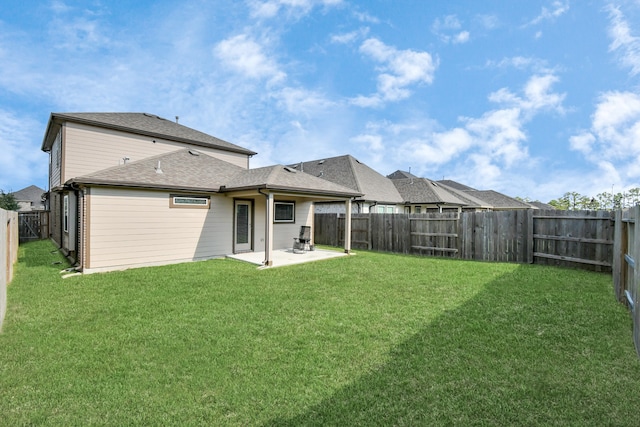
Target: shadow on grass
x,y
549,353
41,253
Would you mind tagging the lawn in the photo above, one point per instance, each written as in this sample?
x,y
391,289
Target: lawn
x,y
372,339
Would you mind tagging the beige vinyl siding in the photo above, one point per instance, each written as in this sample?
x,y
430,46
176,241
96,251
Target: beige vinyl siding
x,y
283,232
90,149
56,162
130,228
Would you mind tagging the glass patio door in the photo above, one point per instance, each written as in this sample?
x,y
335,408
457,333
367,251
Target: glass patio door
x,y
242,230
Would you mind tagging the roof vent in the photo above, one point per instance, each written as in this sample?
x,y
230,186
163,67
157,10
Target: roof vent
x,y
288,169
158,168
321,162
194,152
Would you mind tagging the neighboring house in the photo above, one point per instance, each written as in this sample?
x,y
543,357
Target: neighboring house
x,y
487,199
378,194
30,198
133,189
540,205
422,195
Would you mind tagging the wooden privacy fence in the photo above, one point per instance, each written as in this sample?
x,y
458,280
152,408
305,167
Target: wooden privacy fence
x,y
8,255
581,239
33,225
626,265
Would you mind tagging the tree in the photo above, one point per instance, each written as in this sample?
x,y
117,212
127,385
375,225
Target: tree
x,y
8,201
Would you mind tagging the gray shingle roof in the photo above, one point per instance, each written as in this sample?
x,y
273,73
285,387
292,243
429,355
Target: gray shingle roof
x,y
181,170
32,193
142,124
401,175
422,190
455,184
351,173
284,178
465,196
189,170
498,200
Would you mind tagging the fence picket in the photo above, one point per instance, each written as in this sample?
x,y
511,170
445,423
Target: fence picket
x,y
581,239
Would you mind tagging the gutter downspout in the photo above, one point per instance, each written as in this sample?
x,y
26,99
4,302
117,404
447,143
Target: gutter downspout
x,y
268,228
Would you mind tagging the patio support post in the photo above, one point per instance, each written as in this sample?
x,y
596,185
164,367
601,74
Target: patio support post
x,y
347,227
268,238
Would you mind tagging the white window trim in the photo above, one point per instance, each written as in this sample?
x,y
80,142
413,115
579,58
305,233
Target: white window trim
x,y
293,212
179,201
65,213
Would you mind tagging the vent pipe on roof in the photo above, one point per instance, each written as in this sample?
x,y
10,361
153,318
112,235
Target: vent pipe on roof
x,y
125,159
158,168
177,118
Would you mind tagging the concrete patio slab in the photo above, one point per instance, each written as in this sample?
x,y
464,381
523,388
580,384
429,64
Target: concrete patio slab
x,y
285,257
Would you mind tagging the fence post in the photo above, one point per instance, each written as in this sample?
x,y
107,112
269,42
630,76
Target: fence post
x,y
529,237
619,247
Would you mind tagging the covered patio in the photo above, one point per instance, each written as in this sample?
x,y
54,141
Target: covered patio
x,y
284,257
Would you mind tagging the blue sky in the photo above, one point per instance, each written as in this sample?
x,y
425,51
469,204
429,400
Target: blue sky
x,y
532,98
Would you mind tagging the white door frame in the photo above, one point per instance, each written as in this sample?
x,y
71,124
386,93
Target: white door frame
x,y
242,225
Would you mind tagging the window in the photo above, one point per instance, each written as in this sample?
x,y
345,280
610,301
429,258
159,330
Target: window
x,y
65,217
191,202
284,212
418,209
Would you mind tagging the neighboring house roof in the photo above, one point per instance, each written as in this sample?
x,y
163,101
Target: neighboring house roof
x,y
32,193
456,185
540,205
285,178
422,190
498,200
190,170
184,169
465,196
141,124
351,173
401,175
485,198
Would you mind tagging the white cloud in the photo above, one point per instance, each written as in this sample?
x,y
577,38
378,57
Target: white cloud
x,y
246,56
558,8
271,8
350,37
537,95
461,37
448,30
623,41
399,70
365,17
21,154
449,22
614,136
537,65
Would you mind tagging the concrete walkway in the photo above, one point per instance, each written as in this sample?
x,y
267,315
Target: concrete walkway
x,y
284,257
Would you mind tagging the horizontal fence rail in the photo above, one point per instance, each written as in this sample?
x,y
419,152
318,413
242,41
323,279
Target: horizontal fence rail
x,y
582,239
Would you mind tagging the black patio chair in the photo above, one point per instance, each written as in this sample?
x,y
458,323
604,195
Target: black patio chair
x,y
302,243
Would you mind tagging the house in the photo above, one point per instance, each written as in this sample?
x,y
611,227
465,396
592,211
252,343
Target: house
x,y
485,199
30,198
378,194
421,195
134,189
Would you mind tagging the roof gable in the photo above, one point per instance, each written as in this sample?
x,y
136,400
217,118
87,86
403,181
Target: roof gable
x,y
30,193
141,124
349,172
422,190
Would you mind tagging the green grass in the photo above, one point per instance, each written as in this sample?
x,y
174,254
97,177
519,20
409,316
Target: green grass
x,y
373,339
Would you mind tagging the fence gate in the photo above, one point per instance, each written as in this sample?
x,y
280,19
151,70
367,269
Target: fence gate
x,y
33,225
